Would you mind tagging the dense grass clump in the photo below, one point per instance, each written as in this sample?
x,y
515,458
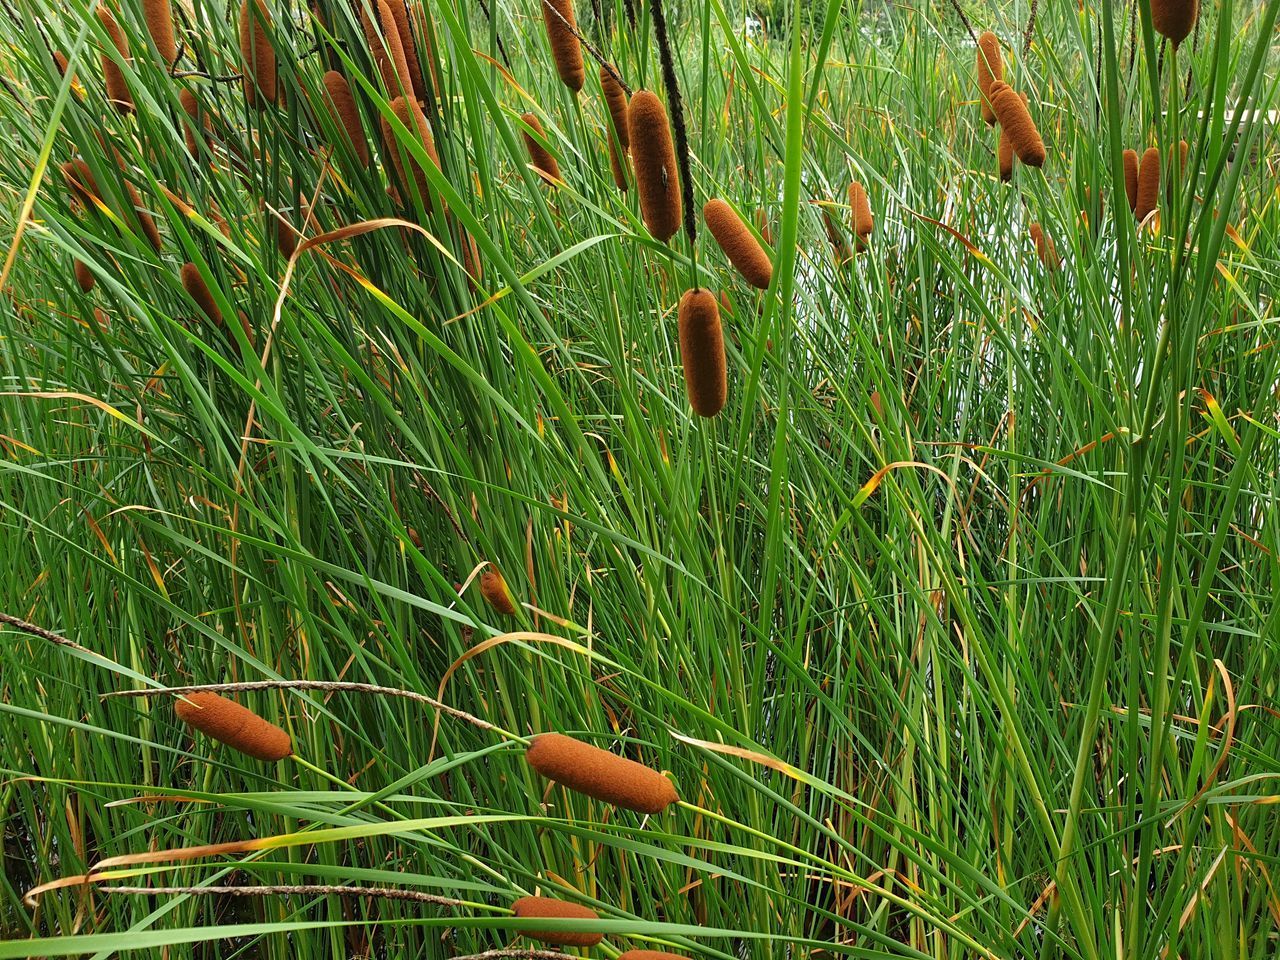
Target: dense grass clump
x,y
895,562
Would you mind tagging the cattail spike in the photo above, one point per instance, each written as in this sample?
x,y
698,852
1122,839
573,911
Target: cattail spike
x,y
145,220
1004,153
238,727
617,164
549,908
159,17
1044,247
565,47
80,179
257,56
117,88
651,955
1131,178
702,353
387,48
494,590
84,276
863,222
598,773
738,244
409,113
616,99
198,126
1148,195
404,30
342,107
198,290
654,160
1173,19
1016,120
539,155
990,68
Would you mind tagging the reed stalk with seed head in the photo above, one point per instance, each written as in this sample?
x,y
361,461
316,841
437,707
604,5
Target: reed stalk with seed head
x,y
539,155
990,69
654,160
238,727
117,87
1148,195
346,116
548,908
159,18
738,243
566,49
702,353
1011,110
599,774
257,56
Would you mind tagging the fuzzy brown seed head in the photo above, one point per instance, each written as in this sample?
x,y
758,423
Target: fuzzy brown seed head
x,y
702,353
1148,195
860,208
84,276
101,319
599,774
159,19
199,124
80,179
990,68
654,159
1044,247
738,243
404,30
238,727
421,18
145,220
1174,19
257,56
1004,153
342,107
539,155
1016,120
1131,178
409,113
286,234
198,290
60,59
762,226
117,89
616,99
617,164
387,49
494,590
547,907
565,48
651,955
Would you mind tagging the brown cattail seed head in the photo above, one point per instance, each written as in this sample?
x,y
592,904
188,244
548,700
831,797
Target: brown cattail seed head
x,y
145,220
342,107
101,319
80,179
84,276
410,114
1131,178
1004,152
616,99
236,726
738,243
546,907
257,56
651,955
1174,18
117,89
196,129
539,155
159,19
388,49
990,68
1044,247
565,47
600,774
60,59
1148,195
1015,118
860,207
414,81
617,165
494,590
198,290
702,353
762,226
654,160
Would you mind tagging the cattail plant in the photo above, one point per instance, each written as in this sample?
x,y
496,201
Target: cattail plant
x,y
1148,195
257,56
113,77
238,727
539,155
493,587
1045,249
387,49
1130,158
198,291
990,69
654,160
145,220
860,208
198,125
1174,19
1011,110
616,100
762,226
650,955
404,30
342,108
599,774
159,18
617,164
702,353
565,47
81,182
835,236
84,276
1004,155
738,243
549,908
408,170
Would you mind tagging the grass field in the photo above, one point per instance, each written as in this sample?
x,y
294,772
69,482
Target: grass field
x,y
956,630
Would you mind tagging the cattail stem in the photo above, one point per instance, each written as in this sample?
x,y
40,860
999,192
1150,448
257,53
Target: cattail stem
x,y
334,686
675,106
